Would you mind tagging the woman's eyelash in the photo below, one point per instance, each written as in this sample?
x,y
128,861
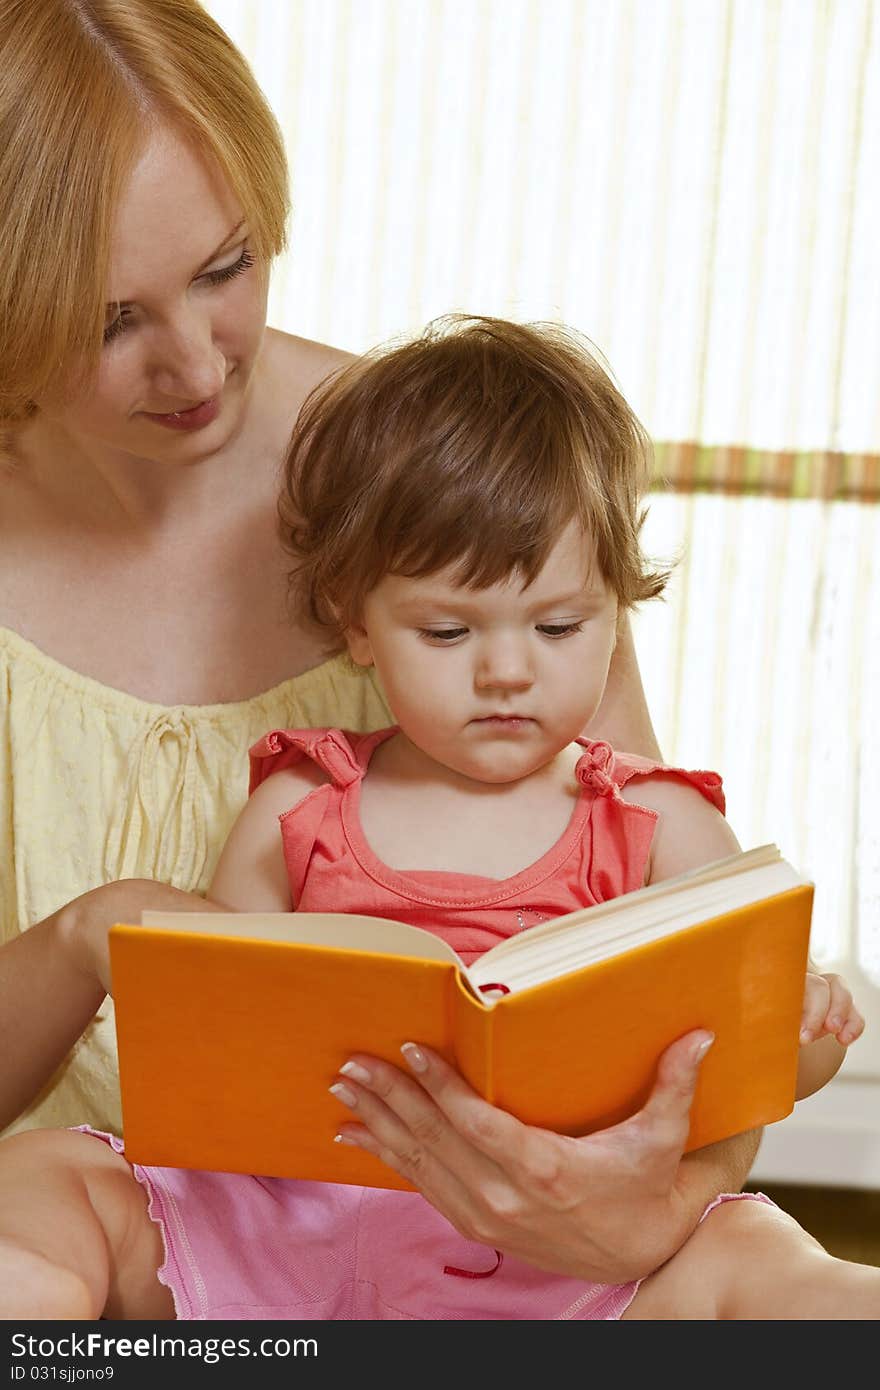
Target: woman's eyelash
x,y
213,277
112,330
229,272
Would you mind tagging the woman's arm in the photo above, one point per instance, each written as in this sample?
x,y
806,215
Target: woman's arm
x,y
622,718
54,976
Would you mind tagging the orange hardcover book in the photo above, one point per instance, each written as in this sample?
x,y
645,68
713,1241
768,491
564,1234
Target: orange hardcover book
x,y
232,1026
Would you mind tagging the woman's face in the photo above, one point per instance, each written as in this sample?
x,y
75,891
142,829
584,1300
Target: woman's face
x,y
186,310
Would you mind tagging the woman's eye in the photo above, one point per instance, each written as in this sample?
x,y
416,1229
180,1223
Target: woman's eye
x,y
212,277
118,325
559,629
442,634
229,272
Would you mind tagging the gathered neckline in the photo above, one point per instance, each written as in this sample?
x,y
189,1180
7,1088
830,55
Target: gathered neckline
x,y
480,891
111,696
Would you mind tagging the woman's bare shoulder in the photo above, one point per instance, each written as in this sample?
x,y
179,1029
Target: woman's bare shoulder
x,y
302,360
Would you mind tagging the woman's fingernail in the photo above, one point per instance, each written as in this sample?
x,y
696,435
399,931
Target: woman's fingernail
x,y
344,1139
345,1094
703,1048
357,1073
805,1035
415,1057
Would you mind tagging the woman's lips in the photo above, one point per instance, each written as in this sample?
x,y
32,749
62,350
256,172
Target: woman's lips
x,y
195,418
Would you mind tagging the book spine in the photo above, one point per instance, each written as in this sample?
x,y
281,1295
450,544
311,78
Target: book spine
x,y
473,1032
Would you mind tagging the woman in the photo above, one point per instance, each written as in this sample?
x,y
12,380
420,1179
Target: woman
x,y
144,637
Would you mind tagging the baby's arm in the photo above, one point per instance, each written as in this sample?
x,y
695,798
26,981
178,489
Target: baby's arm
x,y
690,832
251,875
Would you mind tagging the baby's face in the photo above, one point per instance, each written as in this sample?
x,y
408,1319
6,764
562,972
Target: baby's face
x,y
493,682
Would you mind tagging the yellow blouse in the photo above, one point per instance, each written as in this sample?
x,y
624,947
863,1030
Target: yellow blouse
x,y
96,785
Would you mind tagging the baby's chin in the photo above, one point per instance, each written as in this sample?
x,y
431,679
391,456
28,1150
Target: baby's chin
x,y
503,772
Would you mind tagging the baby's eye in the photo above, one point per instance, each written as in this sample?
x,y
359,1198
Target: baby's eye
x,y
442,635
559,629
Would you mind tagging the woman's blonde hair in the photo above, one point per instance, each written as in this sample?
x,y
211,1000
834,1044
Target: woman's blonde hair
x,y
471,447
81,84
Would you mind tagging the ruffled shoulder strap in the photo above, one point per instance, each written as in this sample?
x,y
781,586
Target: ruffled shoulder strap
x,y
343,757
300,826
333,750
605,771
622,829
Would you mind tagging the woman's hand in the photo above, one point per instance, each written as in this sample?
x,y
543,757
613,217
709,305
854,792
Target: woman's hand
x,y
606,1208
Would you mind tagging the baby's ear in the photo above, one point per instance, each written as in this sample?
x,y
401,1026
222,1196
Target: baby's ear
x,y
359,648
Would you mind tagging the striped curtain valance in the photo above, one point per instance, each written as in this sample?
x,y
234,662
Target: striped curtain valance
x,y
740,471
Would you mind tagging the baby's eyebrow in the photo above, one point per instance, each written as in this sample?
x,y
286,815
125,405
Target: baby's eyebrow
x,y
114,305
572,596
463,600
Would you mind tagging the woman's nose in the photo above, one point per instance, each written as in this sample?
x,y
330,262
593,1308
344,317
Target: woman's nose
x,y
189,367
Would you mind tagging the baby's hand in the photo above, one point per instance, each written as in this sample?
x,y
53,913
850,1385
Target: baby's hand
x,y
829,1008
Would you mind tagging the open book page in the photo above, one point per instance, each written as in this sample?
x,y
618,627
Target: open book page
x,y
551,949
345,930
545,951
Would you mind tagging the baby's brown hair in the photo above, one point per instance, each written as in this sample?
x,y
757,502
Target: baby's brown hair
x,y
472,446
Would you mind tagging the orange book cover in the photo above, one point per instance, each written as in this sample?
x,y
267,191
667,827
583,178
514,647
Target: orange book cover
x,y
229,1034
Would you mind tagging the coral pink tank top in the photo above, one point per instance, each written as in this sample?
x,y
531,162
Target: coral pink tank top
x,y
602,853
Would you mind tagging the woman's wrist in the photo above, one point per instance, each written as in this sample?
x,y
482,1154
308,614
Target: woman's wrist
x,y
702,1176
73,927
723,1167
82,926
49,990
